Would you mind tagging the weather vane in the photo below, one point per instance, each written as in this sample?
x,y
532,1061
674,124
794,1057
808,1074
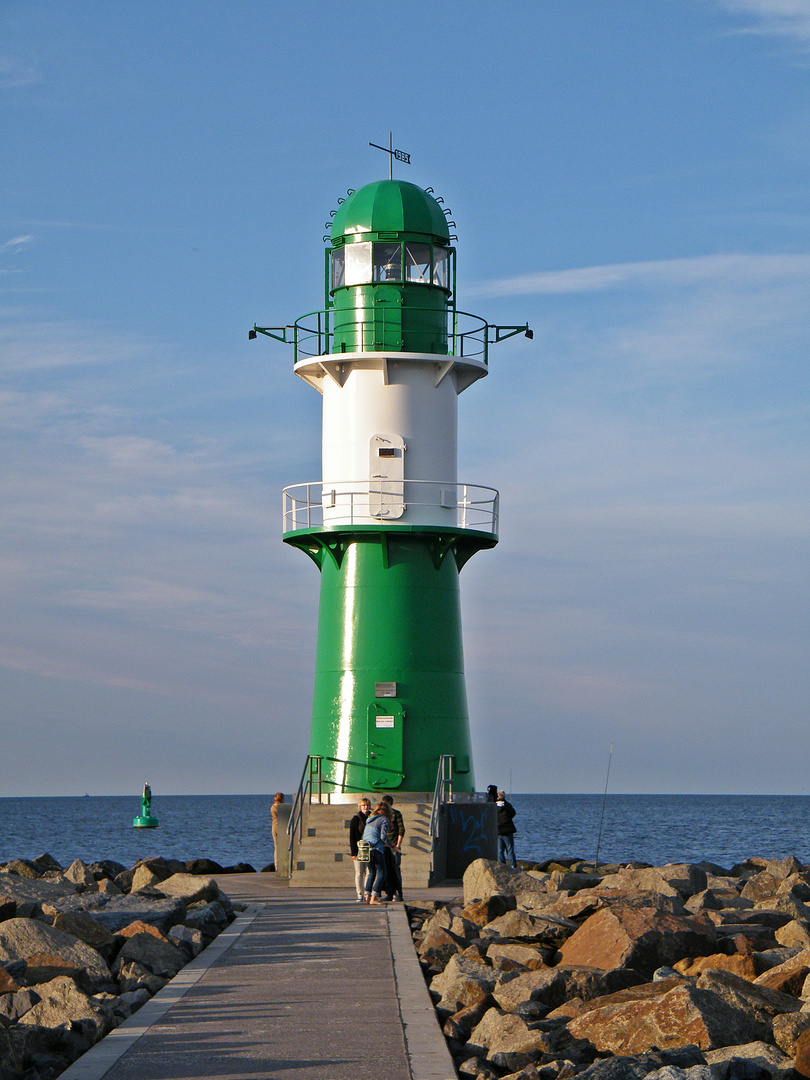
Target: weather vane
x,y
400,155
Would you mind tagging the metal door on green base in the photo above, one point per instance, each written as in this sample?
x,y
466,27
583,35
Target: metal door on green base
x,y
384,736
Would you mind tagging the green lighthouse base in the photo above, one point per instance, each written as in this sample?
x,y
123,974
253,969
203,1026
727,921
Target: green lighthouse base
x,y
390,696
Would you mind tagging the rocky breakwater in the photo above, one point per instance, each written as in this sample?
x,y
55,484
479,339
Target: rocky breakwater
x,y
636,971
83,947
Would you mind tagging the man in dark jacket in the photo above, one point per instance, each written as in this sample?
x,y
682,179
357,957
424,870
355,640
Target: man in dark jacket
x,y
506,830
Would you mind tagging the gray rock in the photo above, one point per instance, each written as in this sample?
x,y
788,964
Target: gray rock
x,y
158,957
62,1004
209,918
191,888
80,874
186,938
483,877
43,947
13,1006
126,1004
120,911
133,976
760,1055
759,1002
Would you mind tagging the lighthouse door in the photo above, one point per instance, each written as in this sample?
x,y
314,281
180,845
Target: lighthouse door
x,y
385,744
386,488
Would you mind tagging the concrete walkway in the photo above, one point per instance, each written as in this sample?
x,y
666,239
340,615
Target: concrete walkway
x,y
303,984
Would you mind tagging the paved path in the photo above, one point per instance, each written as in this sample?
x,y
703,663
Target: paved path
x,y
316,987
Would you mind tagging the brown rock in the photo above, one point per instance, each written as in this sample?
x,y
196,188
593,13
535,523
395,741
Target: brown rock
x,y
140,927
463,982
795,932
552,986
483,911
507,1040
467,1018
84,927
501,953
741,964
683,1014
801,1061
787,977
640,938
7,984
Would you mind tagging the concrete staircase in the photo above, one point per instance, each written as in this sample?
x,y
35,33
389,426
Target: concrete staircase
x,y
322,858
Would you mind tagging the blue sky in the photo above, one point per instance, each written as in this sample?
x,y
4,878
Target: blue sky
x,y
630,177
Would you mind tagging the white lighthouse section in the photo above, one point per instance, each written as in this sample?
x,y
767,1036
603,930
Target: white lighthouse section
x,y
390,442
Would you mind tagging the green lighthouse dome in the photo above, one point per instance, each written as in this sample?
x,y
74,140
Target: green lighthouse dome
x,y
391,206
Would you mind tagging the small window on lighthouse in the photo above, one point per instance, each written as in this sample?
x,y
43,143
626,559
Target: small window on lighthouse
x,y
441,263
358,263
338,268
417,263
387,262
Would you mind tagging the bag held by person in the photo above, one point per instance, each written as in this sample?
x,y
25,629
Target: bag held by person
x,y
363,851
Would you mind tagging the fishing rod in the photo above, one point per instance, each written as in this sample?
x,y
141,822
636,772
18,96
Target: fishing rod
x,y
601,820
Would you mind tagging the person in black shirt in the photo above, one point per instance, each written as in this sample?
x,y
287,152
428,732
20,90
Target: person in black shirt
x,y
506,830
356,826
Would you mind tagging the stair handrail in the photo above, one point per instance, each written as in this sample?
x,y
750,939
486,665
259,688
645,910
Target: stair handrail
x,y
312,767
442,793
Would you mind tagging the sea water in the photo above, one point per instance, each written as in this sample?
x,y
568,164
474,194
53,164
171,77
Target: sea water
x,y
723,829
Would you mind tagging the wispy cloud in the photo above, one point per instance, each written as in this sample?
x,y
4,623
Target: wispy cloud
x,y
15,73
784,18
16,243
738,269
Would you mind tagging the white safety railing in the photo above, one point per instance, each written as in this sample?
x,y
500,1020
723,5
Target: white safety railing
x,y
422,502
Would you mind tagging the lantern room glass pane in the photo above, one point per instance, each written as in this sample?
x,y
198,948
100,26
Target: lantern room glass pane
x,y
441,267
387,262
358,263
338,268
417,263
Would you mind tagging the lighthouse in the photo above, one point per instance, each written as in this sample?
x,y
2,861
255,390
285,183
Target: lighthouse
x,y
388,524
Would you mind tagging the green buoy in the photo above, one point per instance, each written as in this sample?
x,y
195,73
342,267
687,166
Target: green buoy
x,y
146,819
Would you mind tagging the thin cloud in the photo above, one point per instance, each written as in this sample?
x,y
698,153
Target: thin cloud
x,y
16,243
738,269
782,18
16,73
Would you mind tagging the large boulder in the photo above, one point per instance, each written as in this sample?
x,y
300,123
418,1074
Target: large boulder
x,y
463,982
642,938
506,1040
62,1004
757,1059
191,888
157,956
552,986
48,950
546,929
668,1016
485,877
119,911
758,1001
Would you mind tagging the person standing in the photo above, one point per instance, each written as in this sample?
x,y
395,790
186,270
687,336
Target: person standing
x,y
506,830
356,827
278,799
393,854
376,832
